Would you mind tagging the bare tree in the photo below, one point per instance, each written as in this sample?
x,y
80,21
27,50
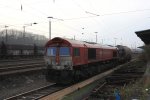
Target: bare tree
x,y
18,37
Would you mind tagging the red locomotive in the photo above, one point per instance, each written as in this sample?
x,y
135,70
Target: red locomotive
x,y
69,60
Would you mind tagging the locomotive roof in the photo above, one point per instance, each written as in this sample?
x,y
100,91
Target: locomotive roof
x,y
77,43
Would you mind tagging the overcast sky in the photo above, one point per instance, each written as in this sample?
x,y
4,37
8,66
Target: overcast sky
x,y
113,20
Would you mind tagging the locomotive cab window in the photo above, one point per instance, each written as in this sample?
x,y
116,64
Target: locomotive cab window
x,y
64,51
51,51
76,52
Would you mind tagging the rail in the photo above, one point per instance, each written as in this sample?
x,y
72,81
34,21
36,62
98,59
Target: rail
x,y
35,94
60,94
14,68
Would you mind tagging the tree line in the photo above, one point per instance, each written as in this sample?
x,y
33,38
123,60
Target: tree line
x,y
12,36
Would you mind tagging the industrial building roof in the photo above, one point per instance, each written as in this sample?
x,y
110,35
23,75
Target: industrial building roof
x,y
144,35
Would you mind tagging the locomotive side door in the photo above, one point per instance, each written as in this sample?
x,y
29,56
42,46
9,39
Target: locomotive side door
x,y
85,54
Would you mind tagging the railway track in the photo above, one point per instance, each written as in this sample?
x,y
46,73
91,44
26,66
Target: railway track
x,y
16,60
3,62
37,93
56,91
22,66
43,92
119,78
9,64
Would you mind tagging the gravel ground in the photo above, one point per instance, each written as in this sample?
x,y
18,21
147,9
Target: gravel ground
x,y
12,85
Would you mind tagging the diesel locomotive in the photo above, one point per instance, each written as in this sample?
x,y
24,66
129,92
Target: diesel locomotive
x,y
70,60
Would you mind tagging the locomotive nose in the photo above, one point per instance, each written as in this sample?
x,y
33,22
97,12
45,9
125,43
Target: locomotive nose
x,y
57,63
57,60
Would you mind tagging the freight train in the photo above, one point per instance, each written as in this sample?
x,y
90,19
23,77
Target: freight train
x,y
70,60
20,51
124,53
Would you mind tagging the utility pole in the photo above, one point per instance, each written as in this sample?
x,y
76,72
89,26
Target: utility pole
x,y
102,41
6,37
24,29
50,27
50,17
115,40
96,36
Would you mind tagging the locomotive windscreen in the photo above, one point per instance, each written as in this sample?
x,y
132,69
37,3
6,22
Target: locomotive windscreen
x,y
64,51
51,51
91,53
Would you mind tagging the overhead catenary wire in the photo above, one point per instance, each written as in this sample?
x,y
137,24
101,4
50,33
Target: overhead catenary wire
x,y
85,12
86,17
109,14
